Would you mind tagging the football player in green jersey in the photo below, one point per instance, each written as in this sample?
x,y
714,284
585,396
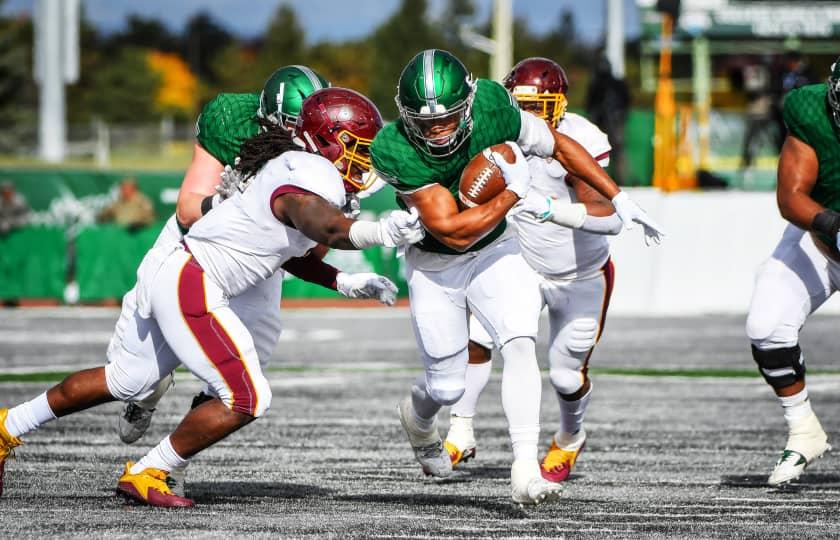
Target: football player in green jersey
x,y
469,261
804,269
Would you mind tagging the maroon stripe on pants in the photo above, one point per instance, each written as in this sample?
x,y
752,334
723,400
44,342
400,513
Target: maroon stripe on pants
x,y
609,279
609,276
214,339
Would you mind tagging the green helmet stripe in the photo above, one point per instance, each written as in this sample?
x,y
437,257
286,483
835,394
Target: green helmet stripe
x,y
316,83
429,79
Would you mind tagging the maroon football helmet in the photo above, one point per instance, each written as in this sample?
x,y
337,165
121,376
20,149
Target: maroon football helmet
x,y
340,124
540,86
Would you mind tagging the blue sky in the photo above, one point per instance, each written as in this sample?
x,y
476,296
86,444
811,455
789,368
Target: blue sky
x,y
332,19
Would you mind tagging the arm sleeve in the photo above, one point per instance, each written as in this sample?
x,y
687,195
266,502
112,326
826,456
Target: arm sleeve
x,y
535,137
311,268
606,225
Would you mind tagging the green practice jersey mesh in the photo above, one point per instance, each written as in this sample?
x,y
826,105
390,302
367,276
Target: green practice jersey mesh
x,y
225,123
495,120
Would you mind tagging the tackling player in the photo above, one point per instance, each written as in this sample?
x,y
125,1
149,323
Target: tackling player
x,y
293,202
224,124
468,258
560,226
804,269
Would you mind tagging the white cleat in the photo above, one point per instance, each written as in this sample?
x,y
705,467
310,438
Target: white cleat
x,y
177,481
528,486
136,416
428,446
460,441
134,421
806,442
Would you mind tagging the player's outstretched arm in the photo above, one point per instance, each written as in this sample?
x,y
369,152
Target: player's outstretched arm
x,y
313,269
322,222
458,230
797,174
580,164
592,213
200,182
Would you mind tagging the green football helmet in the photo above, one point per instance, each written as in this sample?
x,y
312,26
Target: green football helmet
x,y
284,92
833,84
434,96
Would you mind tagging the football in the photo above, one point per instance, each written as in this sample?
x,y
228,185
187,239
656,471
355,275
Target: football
x,y
481,179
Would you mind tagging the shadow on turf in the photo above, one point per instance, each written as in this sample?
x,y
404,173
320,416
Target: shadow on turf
x,y
223,492
808,481
497,506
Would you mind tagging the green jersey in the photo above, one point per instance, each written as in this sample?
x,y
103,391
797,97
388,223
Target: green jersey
x,y
808,118
495,117
225,123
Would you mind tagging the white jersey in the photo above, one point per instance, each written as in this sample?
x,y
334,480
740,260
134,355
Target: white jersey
x,y
553,250
240,242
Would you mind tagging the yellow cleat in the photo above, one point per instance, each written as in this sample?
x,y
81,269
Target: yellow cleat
x,y
460,441
456,455
7,444
149,487
561,458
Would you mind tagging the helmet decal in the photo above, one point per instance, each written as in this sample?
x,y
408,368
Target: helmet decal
x,y
429,79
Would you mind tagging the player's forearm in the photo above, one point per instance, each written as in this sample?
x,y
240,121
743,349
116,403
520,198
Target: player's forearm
x,y
579,163
188,209
799,208
311,268
461,230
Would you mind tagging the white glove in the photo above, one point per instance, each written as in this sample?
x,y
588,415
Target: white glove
x,y
535,204
517,175
630,212
231,178
366,285
401,228
352,208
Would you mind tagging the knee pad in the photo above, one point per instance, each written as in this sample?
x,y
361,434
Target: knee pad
x,y
780,367
445,378
581,335
131,381
565,380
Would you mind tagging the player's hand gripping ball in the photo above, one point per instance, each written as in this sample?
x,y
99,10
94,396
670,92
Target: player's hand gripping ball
x,y
482,179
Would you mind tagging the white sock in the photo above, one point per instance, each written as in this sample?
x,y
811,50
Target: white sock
x,y
476,380
162,457
521,393
572,412
29,416
796,407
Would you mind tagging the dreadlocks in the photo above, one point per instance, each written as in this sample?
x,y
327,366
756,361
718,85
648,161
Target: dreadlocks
x,y
270,142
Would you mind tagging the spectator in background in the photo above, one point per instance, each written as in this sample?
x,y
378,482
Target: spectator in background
x,y
607,103
14,211
132,209
761,115
794,73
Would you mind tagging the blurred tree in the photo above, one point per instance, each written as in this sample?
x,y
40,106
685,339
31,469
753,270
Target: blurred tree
x,y
18,94
283,44
176,95
83,93
395,42
126,88
145,33
344,64
234,70
456,14
201,41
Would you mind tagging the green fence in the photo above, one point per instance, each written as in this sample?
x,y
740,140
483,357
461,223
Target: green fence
x,y
34,260
33,263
